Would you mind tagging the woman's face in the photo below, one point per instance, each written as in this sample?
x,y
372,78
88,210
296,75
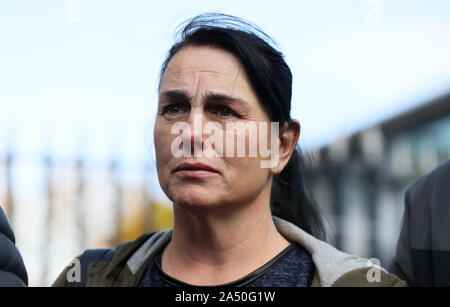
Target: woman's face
x,y
209,84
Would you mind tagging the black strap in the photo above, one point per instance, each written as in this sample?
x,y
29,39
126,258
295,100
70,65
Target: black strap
x,y
90,256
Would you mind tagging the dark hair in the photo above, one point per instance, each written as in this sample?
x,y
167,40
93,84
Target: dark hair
x,y
271,79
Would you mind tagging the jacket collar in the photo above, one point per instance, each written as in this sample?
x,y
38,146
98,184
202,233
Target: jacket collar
x,y
330,263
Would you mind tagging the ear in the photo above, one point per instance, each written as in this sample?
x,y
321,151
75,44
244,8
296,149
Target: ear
x,y
289,136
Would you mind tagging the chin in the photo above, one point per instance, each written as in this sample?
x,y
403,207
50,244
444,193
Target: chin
x,y
204,202
194,198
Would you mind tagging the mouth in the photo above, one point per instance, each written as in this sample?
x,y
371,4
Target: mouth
x,y
195,167
195,170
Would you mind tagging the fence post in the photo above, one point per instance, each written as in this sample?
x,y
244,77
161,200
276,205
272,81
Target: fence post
x,y
80,204
9,205
148,212
46,252
117,202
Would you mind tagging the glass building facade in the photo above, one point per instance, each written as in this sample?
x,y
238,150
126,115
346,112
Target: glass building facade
x,y
360,181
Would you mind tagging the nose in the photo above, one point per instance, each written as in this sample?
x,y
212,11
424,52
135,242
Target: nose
x,y
195,137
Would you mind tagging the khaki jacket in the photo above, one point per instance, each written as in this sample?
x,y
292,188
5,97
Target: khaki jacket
x,y
333,267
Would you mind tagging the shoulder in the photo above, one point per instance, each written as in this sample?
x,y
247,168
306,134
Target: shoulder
x,y
334,267
368,277
339,269
63,279
427,207
345,270
119,260
432,185
423,244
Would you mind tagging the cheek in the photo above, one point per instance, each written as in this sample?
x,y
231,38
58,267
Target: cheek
x,y
254,142
162,139
247,169
249,179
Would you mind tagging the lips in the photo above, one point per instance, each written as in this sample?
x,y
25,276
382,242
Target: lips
x,y
195,171
195,167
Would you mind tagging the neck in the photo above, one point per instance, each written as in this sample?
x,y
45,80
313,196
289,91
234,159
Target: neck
x,y
211,248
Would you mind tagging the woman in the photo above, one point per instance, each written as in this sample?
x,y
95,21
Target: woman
x,y
239,220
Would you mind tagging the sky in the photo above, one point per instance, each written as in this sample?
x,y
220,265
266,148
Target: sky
x,y
80,77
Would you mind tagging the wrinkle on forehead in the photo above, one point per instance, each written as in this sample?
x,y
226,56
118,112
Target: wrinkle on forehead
x,y
228,83
204,61
198,87
235,80
216,72
196,71
193,70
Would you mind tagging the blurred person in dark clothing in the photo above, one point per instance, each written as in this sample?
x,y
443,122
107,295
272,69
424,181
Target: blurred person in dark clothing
x,y
423,249
12,268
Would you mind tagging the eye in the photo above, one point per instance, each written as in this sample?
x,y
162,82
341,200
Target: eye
x,y
225,111
174,108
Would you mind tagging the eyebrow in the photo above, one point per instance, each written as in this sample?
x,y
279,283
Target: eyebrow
x,y
181,94
176,94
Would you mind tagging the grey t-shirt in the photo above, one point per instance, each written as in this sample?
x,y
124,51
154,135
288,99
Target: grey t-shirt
x,y
292,267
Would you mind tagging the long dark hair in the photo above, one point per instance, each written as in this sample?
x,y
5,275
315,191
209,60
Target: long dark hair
x,y
271,79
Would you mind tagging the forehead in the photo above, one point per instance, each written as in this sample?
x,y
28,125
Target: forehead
x,y
204,58
204,67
